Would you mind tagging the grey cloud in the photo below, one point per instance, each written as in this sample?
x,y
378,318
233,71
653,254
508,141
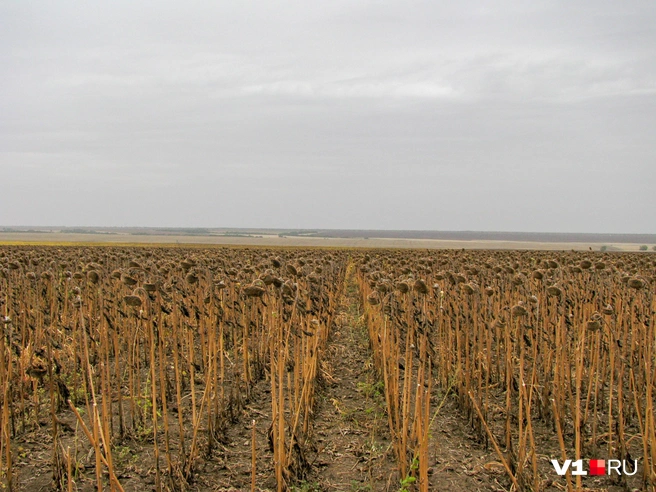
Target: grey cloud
x,y
534,116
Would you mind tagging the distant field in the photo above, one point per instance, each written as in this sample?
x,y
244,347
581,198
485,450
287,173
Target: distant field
x,y
304,241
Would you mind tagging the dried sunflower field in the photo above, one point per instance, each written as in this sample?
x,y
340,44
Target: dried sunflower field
x,y
172,368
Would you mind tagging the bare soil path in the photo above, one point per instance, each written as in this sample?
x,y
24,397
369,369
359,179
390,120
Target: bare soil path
x,y
352,438
351,434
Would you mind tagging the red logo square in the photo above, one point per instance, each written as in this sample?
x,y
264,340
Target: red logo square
x,y
597,467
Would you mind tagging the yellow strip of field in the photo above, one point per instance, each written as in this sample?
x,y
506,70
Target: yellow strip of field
x,y
128,240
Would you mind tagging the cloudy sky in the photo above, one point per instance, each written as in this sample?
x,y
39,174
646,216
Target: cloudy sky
x,y
440,115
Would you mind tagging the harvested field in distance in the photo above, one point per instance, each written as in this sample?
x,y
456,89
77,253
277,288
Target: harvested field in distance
x,y
260,368
274,240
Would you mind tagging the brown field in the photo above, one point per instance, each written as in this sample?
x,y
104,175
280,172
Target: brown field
x,y
204,368
297,241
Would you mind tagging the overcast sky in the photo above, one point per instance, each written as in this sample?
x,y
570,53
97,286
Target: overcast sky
x,y
440,115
